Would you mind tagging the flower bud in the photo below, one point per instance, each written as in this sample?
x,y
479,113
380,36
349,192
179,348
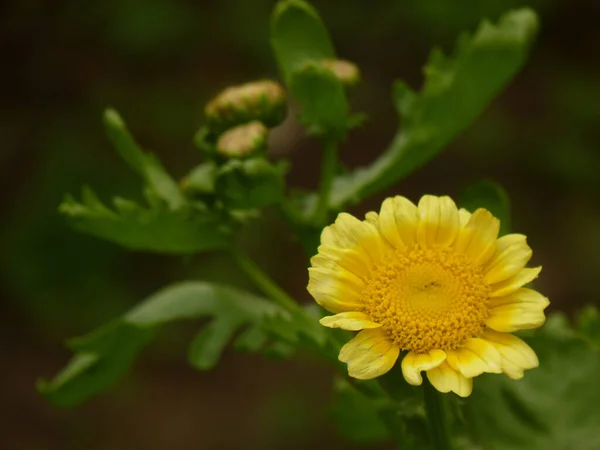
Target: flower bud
x,y
345,71
260,100
243,140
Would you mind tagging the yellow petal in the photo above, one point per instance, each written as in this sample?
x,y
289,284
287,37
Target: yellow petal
x,y
369,355
398,220
331,257
351,320
474,358
349,232
517,356
414,363
463,217
509,286
524,309
438,222
445,379
477,239
511,256
331,293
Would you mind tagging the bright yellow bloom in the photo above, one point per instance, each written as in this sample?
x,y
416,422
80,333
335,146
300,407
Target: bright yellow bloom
x,y
433,281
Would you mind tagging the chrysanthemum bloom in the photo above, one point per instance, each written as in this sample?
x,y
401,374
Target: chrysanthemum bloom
x,y
433,282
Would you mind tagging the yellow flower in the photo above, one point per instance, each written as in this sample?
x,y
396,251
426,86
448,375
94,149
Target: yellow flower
x,y
433,281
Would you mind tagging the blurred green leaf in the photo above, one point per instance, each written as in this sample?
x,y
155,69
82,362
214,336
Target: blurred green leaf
x,y
156,228
456,90
145,164
201,179
298,37
250,183
588,324
358,415
491,196
301,43
553,407
322,100
106,354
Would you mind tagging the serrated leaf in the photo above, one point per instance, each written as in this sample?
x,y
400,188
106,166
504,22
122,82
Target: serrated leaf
x,y
145,164
456,90
553,407
298,36
106,354
489,195
157,228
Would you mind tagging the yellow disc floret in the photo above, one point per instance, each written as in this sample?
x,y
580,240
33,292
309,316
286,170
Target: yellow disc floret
x,y
426,299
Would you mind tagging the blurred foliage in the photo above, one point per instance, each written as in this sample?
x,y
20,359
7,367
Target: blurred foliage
x,y
159,62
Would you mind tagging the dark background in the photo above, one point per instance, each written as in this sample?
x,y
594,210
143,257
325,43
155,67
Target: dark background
x,y
158,62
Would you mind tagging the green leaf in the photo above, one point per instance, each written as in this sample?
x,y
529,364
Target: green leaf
x,y
491,196
301,43
106,354
145,164
359,415
156,228
456,90
553,407
250,183
298,37
322,100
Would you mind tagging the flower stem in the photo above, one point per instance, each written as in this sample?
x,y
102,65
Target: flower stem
x,y
263,282
328,167
434,406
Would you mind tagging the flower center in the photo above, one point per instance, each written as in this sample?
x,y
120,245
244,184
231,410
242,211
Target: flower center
x,y
427,299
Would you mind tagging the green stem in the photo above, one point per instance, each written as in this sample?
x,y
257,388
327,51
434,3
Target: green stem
x,y
434,407
328,167
263,282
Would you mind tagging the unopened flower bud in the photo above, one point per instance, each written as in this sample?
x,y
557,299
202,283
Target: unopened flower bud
x,y
345,71
260,100
243,140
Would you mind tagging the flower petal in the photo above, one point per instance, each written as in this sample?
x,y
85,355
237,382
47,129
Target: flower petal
x,y
398,220
511,256
522,310
352,321
369,355
349,232
509,286
477,239
438,221
474,358
463,217
332,292
351,260
414,363
517,356
445,379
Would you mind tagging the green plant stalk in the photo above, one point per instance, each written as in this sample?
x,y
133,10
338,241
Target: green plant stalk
x,y
264,283
328,169
436,416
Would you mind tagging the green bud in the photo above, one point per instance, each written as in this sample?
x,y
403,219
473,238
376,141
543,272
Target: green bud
x,y
260,100
243,140
250,183
345,71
